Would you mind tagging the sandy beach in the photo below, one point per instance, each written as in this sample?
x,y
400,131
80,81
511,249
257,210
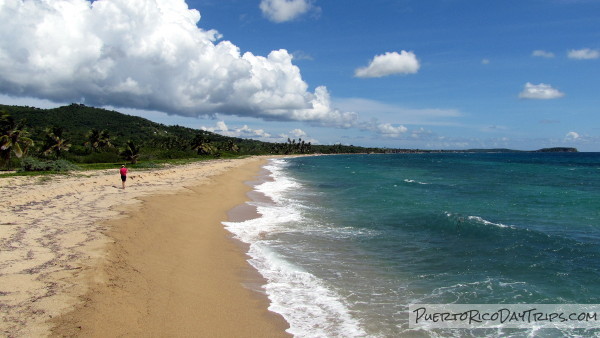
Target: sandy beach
x,y
82,257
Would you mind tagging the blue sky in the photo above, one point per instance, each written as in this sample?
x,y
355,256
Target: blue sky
x,y
447,74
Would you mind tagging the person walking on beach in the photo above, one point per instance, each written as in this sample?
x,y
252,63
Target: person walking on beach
x,y
123,172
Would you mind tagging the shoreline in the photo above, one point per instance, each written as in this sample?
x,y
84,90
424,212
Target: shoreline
x,y
135,274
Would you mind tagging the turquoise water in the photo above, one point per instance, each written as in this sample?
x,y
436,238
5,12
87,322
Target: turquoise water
x,y
347,242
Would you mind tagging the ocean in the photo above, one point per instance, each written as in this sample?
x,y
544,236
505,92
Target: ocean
x,y
347,242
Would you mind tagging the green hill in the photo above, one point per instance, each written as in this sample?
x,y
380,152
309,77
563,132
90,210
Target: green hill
x,y
77,121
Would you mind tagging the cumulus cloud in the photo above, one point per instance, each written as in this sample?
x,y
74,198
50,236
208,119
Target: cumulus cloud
x,y
540,92
284,10
388,130
542,54
244,131
148,54
582,140
384,129
572,136
258,134
390,64
297,133
583,54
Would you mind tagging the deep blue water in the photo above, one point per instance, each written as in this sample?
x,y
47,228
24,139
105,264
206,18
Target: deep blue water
x,y
348,241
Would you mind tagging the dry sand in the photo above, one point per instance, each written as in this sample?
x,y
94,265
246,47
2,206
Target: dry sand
x,y
81,257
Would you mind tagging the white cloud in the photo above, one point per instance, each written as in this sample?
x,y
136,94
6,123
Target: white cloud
x,y
150,55
542,53
388,130
258,134
297,133
583,54
284,10
221,126
390,64
244,131
571,136
421,133
301,55
540,92
485,61
581,140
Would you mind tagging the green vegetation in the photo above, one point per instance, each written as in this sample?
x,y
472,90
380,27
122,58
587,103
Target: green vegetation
x,y
35,164
131,152
78,136
55,144
45,139
13,139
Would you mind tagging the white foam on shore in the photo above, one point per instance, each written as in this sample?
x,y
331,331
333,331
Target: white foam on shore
x,y
312,308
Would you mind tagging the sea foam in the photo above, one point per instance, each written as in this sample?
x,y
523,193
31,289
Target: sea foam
x,y
413,181
309,305
486,222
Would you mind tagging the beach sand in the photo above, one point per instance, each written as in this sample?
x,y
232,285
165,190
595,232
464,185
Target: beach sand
x,y
82,257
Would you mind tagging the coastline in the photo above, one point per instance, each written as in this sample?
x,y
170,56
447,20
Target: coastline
x,y
88,259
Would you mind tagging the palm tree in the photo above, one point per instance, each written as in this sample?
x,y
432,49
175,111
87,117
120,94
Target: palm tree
x,y
55,142
98,140
288,149
94,140
202,145
131,152
13,139
231,146
104,141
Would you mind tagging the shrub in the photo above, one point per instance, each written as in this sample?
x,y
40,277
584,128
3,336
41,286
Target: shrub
x,y
35,164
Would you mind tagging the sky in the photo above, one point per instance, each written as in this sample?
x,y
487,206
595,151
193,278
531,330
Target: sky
x,y
428,74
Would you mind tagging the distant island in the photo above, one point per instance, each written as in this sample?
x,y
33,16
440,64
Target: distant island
x,y
493,150
53,139
558,150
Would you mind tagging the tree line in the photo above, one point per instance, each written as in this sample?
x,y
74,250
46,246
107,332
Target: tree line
x,y
30,137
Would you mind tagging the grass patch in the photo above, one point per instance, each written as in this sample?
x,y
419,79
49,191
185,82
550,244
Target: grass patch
x,y
99,166
44,179
83,167
103,166
36,164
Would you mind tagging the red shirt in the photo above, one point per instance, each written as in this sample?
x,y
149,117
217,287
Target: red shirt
x,y
123,171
